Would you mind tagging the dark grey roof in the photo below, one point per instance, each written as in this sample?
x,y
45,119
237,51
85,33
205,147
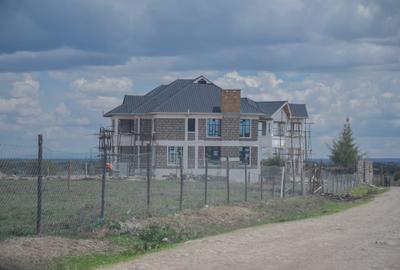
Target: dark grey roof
x,y
187,95
270,107
298,110
249,106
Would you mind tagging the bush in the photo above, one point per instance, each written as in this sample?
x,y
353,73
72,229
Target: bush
x,y
274,161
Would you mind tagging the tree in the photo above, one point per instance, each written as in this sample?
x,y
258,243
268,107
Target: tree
x,y
344,150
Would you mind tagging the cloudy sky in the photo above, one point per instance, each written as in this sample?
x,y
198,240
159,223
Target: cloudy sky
x,y
62,63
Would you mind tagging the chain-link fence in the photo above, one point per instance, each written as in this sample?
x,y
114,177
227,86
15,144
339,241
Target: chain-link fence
x,y
57,192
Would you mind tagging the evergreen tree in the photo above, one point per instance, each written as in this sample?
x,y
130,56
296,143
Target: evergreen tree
x,y
344,150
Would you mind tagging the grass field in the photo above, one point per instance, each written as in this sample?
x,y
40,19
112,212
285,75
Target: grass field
x,y
77,209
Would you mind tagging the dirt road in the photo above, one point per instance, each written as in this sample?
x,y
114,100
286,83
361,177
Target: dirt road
x,y
364,237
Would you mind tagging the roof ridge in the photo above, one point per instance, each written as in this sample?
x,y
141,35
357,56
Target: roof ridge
x,y
157,94
173,95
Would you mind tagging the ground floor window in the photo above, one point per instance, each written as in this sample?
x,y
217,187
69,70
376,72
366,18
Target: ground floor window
x,y
174,153
213,154
244,155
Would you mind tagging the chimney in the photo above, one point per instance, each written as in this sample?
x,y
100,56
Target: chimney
x,y
230,100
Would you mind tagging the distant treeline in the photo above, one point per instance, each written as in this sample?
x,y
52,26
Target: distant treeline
x,y
388,168
29,167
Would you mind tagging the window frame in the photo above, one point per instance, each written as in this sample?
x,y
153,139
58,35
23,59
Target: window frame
x,y
177,150
242,128
194,124
217,126
214,161
241,156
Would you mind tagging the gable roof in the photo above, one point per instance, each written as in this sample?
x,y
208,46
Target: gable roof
x,y
298,110
194,95
270,107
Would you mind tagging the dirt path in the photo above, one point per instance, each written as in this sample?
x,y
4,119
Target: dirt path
x,y
364,237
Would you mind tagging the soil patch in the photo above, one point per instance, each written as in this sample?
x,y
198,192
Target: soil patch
x,y
38,252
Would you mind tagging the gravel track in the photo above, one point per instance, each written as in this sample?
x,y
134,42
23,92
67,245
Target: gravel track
x,y
364,237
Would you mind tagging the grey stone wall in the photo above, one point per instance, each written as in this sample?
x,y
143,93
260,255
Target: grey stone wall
x,y
200,157
254,157
169,129
230,130
161,156
191,157
191,136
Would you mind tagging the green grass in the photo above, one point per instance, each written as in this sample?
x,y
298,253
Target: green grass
x,y
272,211
76,211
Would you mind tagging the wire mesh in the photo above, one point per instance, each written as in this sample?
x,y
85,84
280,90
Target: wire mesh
x,y
136,185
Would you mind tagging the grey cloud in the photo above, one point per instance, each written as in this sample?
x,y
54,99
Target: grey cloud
x,y
206,34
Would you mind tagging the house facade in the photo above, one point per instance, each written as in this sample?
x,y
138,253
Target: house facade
x,y
198,121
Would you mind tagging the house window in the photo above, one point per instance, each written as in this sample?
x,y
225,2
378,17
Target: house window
x,y
262,128
174,153
126,125
245,126
244,155
191,125
214,127
213,154
279,129
113,124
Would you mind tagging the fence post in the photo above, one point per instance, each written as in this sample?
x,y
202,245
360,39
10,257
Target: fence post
x,y
227,179
273,186
294,177
181,186
103,179
148,176
321,178
205,180
245,180
86,171
69,174
283,183
39,186
261,186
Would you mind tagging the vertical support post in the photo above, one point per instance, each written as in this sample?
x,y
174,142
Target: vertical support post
x,y
261,186
181,186
273,187
321,178
293,176
245,180
148,176
303,191
39,186
69,174
205,179
227,180
103,179
283,183
86,170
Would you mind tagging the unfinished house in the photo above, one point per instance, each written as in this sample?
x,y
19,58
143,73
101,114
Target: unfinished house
x,y
194,119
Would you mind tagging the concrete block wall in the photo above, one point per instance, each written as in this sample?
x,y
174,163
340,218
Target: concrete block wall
x,y
169,129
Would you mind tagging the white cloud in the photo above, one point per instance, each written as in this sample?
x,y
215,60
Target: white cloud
x,y
63,110
103,85
27,87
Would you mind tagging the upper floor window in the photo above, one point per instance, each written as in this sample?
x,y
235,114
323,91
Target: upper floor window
x,y
191,125
262,128
126,125
213,127
279,129
245,127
